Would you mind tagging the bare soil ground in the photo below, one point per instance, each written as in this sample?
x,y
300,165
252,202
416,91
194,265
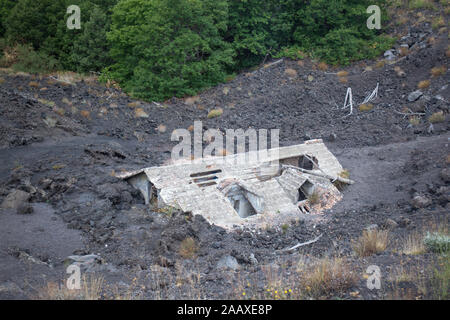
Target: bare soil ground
x,y
60,142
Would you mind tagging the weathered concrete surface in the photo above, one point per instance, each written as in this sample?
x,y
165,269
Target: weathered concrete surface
x,y
230,191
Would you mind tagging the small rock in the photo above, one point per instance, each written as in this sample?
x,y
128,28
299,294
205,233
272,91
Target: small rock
x,y
332,137
50,122
307,136
371,227
420,201
25,208
389,55
445,174
162,128
390,224
310,78
140,113
253,260
413,96
15,199
87,263
404,222
228,262
86,259
418,106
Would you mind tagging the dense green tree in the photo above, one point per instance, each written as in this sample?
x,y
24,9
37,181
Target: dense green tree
x,y
43,25
336,30
33,22
160,48
164,48
90,49
5,9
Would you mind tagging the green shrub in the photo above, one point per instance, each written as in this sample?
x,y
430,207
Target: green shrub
x,y
336,31
43,25
437,242
165,48
292,52
34,22
421,4
28,60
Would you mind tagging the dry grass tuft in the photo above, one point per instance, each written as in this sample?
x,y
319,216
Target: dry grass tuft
x,y
414,120
380,64
404,51
371,242
162,128
343,79
438,71
342,73
322,66
33,84
431,40
91,289
188,248
291,73
134,104
215,113
437,117
343,174
327,276
140,113
366,107
47,102
192,100
314,198
85,114
438,22
424,84
59,111
66,101
413,244
399,71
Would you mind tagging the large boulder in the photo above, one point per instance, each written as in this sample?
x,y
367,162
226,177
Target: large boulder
x,y
228,262
420,201
413,96
15,199
445,174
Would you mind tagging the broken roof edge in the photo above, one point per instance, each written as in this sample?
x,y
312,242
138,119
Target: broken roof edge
x,y
250,157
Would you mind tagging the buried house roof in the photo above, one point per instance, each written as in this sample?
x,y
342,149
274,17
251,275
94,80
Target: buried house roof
x,y
252,189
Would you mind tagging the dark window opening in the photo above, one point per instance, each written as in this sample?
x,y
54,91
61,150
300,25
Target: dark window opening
x,y
200,180
306,189
243,202
205,179
205,173
307,163
207,184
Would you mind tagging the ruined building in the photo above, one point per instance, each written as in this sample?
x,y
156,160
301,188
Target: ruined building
x,y
250,189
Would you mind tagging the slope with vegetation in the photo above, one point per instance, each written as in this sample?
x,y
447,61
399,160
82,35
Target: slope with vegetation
x,y
157,49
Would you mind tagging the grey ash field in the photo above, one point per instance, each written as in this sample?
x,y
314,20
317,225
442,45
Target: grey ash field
x,y
62,140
